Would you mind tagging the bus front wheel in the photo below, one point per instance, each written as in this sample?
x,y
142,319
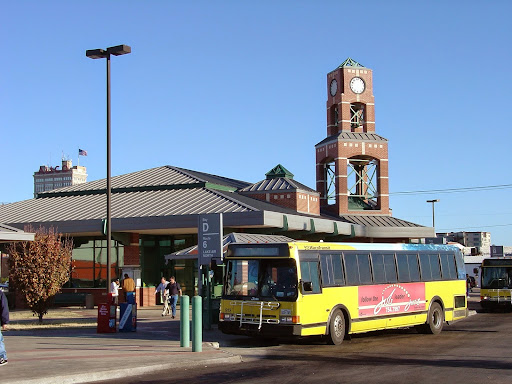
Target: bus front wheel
x,y
337,328
435,320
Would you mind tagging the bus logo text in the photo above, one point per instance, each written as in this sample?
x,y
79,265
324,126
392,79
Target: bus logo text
x,y
379,300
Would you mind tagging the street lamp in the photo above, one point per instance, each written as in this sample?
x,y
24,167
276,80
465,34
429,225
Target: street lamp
x,y
105,54
433,211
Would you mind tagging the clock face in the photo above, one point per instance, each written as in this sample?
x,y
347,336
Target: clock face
x,y
334,87
357,85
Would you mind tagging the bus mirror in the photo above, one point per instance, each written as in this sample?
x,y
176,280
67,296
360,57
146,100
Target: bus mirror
x,y
307,286
475,271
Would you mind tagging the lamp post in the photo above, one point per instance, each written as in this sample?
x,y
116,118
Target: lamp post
x,y
433,211
105,54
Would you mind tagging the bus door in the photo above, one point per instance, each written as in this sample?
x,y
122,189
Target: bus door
x,y
312,311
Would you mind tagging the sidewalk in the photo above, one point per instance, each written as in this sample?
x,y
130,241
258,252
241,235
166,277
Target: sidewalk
x,y
79,355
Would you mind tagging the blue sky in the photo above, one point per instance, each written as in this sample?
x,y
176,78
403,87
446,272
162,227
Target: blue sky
x,y
234,88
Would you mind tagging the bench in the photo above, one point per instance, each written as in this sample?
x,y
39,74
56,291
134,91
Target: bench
x,y
68,299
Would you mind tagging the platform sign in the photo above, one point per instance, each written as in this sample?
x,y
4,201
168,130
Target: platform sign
x,y
209,237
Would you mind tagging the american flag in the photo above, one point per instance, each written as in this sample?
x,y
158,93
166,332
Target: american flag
x,y
82,152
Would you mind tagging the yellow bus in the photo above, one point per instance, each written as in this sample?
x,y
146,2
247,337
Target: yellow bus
x,y
338,289
496,283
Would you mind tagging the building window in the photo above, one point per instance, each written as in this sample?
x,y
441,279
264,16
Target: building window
x,y
89,264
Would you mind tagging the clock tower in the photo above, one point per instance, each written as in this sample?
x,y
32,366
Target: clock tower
x,y
352,162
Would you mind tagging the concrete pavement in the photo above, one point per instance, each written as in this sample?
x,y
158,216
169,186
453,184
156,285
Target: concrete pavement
x,y
79,355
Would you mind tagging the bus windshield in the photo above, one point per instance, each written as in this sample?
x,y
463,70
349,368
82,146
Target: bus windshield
x,y
496,277
269,279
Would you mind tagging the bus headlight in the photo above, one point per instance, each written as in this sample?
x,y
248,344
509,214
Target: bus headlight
x,y
226,316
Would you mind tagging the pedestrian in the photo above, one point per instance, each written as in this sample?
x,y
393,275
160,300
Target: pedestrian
x,y
468,285
174,290
128,286
164,296
114,290
4,310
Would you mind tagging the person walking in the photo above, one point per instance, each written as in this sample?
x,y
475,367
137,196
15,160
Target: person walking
x,y
4,317
164,296
174,290
128,286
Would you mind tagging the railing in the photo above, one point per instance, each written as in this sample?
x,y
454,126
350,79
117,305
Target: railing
x,y
255,319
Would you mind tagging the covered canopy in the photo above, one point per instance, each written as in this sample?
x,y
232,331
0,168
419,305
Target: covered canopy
x,y
247,238
8,234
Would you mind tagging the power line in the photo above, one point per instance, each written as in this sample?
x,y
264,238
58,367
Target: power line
x,y
480,226
455,190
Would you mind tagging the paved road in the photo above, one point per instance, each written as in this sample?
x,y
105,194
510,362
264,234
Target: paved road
x,y
77,355
475,350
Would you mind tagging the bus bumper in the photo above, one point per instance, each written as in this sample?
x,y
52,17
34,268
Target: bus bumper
x,y
495,303
271,330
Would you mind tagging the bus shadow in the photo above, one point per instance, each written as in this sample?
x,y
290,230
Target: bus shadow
x,y
395,361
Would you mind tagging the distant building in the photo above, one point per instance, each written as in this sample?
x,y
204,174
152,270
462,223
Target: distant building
x,y
49,178
501,251
479,241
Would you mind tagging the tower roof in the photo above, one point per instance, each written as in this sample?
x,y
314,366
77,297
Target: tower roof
x,y
278,171
350,63
277,179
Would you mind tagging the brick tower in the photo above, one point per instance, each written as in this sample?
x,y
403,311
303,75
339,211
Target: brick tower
x,y
352,162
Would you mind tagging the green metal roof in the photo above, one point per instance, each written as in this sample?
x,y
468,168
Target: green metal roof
x,y
350,63
277,172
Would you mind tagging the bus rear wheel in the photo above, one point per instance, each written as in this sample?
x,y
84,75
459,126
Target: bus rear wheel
x,y
337,328
435,320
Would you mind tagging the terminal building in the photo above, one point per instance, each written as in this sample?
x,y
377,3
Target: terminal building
x,y
155,212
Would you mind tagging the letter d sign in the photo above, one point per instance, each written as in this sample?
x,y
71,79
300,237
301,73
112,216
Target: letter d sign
x,y
205,227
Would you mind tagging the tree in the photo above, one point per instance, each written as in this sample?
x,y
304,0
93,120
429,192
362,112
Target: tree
x,y
38,269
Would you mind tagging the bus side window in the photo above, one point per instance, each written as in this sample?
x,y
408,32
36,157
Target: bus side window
x,y
332,270
309,272
414,268
390,268
326,269
448,266
403,268
365,273
351,270
337,265
379,274
426,272
434,266
357,268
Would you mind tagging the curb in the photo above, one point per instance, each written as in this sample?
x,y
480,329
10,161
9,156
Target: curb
x,y
126,372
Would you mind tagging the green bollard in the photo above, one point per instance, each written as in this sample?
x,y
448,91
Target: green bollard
x,y
185,321
197,324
